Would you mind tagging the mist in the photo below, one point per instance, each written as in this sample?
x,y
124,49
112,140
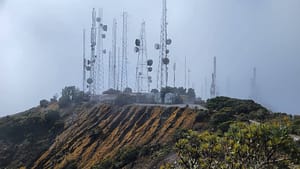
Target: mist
x,y
41,46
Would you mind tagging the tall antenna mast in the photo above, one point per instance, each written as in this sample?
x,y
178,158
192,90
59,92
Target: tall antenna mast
x,y
124,76
100,52
144,66
185,72
84,63
110,70
163,47
91,63
119,69
114,54
213,92
189,76
253,85
174,78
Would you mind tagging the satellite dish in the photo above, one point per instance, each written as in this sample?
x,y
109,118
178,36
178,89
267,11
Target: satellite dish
x,y
103,36
136,49
167,51
98,19
138,42
104,27
88,68
149,69
166,61
157,46
169,41
89,80
150,62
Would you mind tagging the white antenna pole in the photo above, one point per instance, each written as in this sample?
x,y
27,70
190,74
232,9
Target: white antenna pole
x,y
124,76
114,52
174,78
185,72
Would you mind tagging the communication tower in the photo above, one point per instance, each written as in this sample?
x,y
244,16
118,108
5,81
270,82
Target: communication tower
x,y
174,77
94,65
100,53
91,67
124,76
84,63
162,72
113,58
144,65
213,92
253,94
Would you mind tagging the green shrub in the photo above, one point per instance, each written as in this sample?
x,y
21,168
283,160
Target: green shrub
x,y
52,116
44,103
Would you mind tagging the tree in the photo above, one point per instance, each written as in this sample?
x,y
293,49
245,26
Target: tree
x,y
70,94
245,145
155,91
127,90
191,93
44,103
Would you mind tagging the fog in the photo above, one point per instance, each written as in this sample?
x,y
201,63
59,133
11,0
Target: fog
x,y
41,46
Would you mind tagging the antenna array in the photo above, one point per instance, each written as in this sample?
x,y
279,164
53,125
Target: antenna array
x,y
124,76
162,72
144,66
95,64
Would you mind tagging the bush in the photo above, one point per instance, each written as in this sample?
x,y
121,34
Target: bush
x,y
219,118
44,103
112,91
127,90
70,94
202,116
64,102
267,145
52,116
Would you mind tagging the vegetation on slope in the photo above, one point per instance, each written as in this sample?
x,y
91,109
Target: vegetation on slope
x,y
82,134
244,145
32,131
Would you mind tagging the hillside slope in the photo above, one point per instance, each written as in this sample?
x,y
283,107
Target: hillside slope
x,y
102,131
88,135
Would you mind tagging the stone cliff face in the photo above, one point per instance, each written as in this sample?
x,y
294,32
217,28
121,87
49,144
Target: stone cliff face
x,y
100,132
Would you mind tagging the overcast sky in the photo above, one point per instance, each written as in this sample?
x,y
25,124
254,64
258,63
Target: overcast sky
x,y
41,46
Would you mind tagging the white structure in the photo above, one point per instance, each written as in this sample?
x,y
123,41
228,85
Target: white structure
x,y
213,91
162,72
144,65
94,65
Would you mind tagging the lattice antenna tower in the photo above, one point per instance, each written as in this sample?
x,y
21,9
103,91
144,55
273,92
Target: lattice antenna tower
x,y
174,75
162,73
124,75
253,93
100,53
114,55
213,92
110,70
91,63
144,65
84,62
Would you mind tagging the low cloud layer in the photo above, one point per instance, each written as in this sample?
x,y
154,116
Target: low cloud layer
x,y
40,46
